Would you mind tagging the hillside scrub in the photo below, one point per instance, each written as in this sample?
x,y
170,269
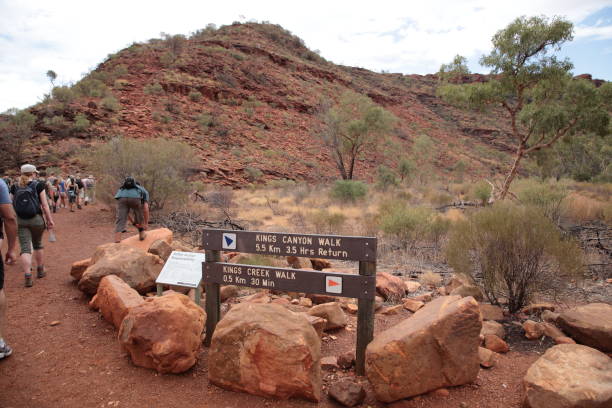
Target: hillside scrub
x,y
15,133
542,100
348,190
160,165
409,225
548,197
513,252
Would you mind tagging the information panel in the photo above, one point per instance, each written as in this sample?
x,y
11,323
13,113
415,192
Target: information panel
x,y
182,269
285,244
291,280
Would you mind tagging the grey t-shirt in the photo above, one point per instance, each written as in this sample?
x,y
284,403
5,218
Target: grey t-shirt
x,y
4,193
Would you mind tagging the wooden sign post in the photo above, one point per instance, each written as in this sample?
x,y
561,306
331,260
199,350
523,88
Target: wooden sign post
x,y
362,286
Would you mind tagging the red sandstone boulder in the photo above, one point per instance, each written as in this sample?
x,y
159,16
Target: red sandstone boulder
x,y
413,305
487,357
569,376
492,327
436,347
151,236
491,312
468,290
79,267
136,267
590,325
161,248
114,299
319,264
163,333
267,350
494,343
347,392
533,330
332,312
389,286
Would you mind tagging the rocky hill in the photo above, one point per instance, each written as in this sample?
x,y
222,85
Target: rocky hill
x,y
245,96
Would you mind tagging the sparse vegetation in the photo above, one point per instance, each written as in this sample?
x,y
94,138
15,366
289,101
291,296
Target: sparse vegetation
x,y
110,103
348,190
512,252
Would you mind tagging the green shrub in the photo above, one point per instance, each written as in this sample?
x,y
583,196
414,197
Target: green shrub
x,y
516,250
167,59
281,184
253,174
59,125
406,169
172,105
348,190
81,123
153,89
206,120
160,165
547,197
121,84
481,192
385,178
195,96
120,70
91,87
327,222
406,224
111,103
63,94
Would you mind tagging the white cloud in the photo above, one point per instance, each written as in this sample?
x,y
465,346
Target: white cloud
x,y
400,36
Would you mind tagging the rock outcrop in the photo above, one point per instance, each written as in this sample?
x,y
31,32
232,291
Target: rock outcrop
x,y
151,236
389,286
163,333
590,325
114,299
161,248
267,350
136,267
436,347
569,376
78,268
332,312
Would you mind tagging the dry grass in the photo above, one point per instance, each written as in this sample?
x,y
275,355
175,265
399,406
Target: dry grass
x,y
430,279
578,207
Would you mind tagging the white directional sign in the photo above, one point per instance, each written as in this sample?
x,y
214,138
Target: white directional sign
x,y
182,269
229,241
333,284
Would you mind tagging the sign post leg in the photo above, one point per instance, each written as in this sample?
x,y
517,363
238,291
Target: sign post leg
x,y
198,295
160,290
365,320
213,304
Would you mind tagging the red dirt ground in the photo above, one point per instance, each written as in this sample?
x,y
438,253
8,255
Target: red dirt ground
x,y
78,363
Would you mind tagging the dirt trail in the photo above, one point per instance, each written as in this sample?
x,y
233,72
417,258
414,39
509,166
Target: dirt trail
x,y
78,363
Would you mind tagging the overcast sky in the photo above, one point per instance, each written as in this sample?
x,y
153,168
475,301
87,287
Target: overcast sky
x,y
412,37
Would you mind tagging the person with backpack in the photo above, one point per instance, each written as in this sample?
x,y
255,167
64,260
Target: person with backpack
x,y
129,197
7,215
81,191
73,192
33,217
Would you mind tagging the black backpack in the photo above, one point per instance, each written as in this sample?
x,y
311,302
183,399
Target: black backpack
x,y
129,183
25,201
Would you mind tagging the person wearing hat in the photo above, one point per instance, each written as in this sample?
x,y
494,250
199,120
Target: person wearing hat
x,y
33,217
7,214
130,197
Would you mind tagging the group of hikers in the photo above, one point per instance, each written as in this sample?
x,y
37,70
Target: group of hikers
x,y
27,205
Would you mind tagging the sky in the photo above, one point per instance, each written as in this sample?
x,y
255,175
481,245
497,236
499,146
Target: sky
x,y
71,37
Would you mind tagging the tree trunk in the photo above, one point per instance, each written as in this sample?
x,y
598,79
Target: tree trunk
x,y
506,187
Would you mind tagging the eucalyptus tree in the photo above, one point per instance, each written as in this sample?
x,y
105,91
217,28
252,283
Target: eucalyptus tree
x,y
535,88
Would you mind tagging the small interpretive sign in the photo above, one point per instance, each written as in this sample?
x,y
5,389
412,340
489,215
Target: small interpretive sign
x,y
182,269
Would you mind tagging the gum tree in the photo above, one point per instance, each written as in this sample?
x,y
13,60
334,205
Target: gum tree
x,y
351,127
535,88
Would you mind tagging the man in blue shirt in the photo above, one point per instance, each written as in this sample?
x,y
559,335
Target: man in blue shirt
x,y
131,196
10,226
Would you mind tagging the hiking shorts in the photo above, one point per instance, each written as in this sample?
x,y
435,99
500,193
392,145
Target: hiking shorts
x,y
124,205
30,233
72,197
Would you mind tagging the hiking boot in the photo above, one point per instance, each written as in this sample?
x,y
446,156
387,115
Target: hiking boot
x,y
79,207
5,350
28,280
40,272
141,234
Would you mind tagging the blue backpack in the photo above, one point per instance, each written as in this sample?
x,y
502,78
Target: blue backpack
x,y
25,201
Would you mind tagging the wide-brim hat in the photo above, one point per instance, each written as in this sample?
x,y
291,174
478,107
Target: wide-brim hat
x,y
28,168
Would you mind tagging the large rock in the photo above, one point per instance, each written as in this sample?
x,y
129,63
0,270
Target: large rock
x,y
492,327
389,286
267,350
491,312
136,267
468,290
533,330
496,344
161,248
436,347
347,392
151,236
163,333
332,312
590,325
114,299
78,268
569,376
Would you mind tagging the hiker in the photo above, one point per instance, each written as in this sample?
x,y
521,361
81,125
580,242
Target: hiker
x,y
32,209
81,192
90,189
54,195
62,192
72,189
130,197
7,216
